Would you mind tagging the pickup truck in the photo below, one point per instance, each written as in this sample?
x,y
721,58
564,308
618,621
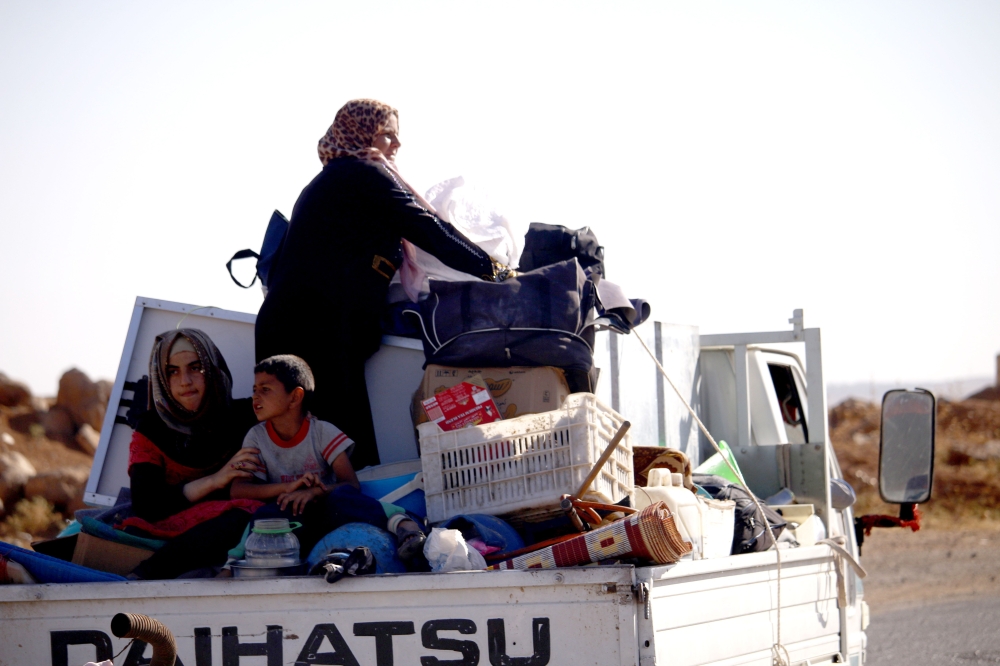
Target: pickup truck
x,y
796,605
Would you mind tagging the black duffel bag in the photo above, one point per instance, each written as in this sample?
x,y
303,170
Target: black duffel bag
x,y
547,244
539,318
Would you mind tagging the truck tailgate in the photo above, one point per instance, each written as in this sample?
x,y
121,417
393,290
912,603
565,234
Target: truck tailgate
x,y
516,618
723,611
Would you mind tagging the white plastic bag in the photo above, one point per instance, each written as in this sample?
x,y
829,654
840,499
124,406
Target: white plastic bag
x,y
474,214
472,211
446,551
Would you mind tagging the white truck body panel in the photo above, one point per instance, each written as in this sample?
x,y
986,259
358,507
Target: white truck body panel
x,y
724,612
631,385
583,615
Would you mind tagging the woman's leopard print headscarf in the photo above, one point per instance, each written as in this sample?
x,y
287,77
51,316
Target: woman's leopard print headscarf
x,y
354,130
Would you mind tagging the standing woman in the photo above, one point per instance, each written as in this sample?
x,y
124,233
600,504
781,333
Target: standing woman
x,y
184,455
327,292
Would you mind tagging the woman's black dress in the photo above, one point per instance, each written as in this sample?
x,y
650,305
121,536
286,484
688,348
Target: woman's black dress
x,y
328,290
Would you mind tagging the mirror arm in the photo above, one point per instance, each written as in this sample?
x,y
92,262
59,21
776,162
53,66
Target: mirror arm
x,y
909,516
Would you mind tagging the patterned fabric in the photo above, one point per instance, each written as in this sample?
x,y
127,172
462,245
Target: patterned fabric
x,y
180,523
646,458
649,535
354,130
218,381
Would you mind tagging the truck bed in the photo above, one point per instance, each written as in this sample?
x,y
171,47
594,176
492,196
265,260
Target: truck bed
x,y
570,616
706,612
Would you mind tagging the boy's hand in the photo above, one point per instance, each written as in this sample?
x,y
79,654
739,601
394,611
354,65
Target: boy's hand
x,y
307,480
298,499
311,480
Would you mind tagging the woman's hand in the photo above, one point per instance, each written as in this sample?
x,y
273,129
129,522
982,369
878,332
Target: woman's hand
x,y
298,499
241,466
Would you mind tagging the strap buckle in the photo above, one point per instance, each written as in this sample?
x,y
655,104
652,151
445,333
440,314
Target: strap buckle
x,y
377,262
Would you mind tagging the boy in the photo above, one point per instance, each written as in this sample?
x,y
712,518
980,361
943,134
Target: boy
x,y
305,469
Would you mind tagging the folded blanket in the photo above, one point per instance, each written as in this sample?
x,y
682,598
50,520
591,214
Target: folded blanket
x,y
180,523
94,527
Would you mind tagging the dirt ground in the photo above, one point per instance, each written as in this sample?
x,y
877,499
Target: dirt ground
x,y
908,569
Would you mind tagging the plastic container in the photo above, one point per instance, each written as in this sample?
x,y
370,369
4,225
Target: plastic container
x,y
718,522
804,524
682,503
380,480
272,544
526,462
241,569
707,524
717,466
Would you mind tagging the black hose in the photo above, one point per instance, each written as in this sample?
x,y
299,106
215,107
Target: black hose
x,y
145,628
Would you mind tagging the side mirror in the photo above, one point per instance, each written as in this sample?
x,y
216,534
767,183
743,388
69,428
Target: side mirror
x,y
906,450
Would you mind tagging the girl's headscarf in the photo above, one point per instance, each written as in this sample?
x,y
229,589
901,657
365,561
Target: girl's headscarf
x,y
218,382
354,130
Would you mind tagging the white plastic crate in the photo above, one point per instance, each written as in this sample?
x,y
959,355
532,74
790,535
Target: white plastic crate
x,y
526,462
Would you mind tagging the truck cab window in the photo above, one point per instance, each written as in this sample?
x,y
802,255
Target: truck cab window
x,y
790,403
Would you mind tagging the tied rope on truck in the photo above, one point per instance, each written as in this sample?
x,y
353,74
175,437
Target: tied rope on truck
x,y
779,652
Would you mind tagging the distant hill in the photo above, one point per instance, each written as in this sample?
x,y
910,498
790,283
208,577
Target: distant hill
x,y
954,390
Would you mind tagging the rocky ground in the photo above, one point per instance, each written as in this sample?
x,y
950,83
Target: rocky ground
x,y
966,489
46,450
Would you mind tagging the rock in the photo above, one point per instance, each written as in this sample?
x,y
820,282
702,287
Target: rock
x,y
63,488
13,394
15,471
23,422
85,400
42,404
87,439
58,424
104,387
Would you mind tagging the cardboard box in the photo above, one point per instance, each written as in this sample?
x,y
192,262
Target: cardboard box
x,y
516,391
108,556
465,404
805,517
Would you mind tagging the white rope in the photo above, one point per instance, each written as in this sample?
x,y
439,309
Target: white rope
x,y
780,654
191,312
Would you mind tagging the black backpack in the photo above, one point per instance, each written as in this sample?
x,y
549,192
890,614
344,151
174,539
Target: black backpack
x,y
270,249
750,534
547,244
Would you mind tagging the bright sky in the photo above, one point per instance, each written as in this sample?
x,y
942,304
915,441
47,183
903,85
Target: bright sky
x,y
737,160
